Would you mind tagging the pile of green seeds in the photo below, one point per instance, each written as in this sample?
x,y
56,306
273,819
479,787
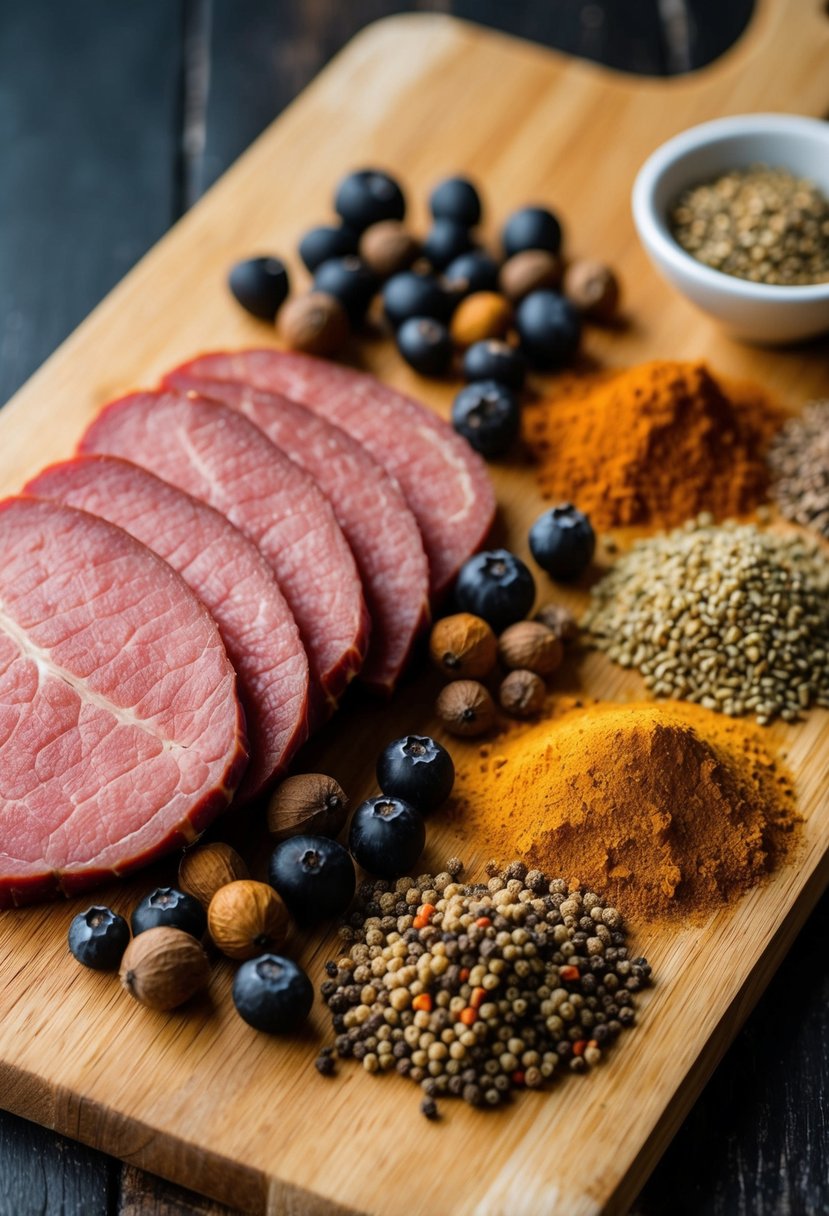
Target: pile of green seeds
x,y
762,224
476,990
730,617
799,462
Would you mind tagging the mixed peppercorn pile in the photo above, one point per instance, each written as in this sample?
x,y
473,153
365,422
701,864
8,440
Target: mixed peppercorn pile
x,y
476,990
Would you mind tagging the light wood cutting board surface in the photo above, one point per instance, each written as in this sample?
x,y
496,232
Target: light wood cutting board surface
x,y
197,1096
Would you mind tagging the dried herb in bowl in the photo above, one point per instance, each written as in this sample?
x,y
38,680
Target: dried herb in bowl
x,y
761,224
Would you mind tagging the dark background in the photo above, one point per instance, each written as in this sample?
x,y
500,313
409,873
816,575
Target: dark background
x,y
114,117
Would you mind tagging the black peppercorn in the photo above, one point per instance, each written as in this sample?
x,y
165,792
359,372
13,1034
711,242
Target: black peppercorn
x,y
325,1065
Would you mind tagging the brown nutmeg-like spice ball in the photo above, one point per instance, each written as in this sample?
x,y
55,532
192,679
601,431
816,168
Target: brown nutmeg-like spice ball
x,y
311,803
207,867
531,270
388,247
484,314
315,323
560,619
593,288
522,693
247,918
466,708
531,646
164,967
463,646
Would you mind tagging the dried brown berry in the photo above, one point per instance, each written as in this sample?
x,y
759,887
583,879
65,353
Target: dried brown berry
x,y
593,288
484,314
532,646
522,694
308,803
531,270
388,247
315,323
207,867
164,967
560,619
247,918
465,708
463,646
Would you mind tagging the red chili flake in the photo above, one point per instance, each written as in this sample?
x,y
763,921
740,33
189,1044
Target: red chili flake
x,y
483,922
578,1048
569,974
464,975
477,998
423,1001
468,1016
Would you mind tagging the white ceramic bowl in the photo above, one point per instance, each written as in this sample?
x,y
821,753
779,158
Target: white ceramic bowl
x,y
756,312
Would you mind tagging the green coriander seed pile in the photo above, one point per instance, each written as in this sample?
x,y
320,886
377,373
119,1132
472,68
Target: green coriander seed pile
x,y
476,990
761,224
727,616
799,462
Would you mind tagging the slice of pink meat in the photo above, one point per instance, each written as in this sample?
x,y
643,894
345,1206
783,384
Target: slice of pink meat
x,y
378,525
121,735
216,455
444,482
230,577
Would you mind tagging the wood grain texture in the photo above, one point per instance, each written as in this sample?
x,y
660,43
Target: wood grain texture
x,y
83,214
755,1144
142,1195
46,1173
193,1126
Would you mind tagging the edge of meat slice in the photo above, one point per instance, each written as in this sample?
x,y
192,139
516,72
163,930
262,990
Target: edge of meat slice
x,y
218,456
121,735
445,482
369,507
231,578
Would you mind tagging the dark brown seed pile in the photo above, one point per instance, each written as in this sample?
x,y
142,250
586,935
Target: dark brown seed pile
x,y
761,224
799,461
475,990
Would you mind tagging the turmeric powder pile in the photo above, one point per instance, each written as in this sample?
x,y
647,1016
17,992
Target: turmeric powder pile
x,y
653,445
666,809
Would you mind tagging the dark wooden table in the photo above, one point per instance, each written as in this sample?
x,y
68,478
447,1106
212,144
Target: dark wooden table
x,y
114,117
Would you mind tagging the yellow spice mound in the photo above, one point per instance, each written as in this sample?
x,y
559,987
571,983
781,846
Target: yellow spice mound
x,y
668,809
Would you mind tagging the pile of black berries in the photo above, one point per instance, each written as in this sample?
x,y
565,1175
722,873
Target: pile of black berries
x,y
476,990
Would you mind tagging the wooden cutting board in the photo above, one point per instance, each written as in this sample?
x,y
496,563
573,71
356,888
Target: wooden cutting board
x,y
196,1096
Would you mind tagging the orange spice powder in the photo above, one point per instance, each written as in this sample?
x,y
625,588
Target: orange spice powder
x,y
653,445
669,809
